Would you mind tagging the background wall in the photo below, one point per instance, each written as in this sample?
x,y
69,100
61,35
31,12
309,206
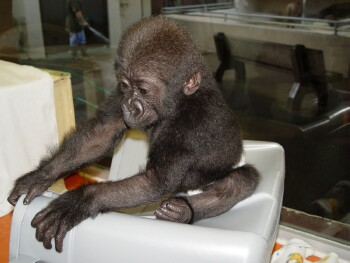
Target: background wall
x,y
335,48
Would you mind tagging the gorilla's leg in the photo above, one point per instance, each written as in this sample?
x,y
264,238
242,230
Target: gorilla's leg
x,y
215,199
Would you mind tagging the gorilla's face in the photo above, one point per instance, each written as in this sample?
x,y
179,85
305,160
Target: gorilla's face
x,y
141,100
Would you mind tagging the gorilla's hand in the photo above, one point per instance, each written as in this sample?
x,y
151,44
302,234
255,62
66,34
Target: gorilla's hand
x,y
32,185
175,210
63,213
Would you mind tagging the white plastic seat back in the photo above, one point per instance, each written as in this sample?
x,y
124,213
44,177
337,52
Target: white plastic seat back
x,y
129,156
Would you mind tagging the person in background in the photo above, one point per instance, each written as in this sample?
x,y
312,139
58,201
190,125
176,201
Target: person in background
x,y
75,23
295,9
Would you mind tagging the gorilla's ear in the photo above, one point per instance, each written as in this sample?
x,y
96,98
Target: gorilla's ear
x,y
192,84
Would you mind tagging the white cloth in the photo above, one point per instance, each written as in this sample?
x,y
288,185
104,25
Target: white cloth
x,y
297,251
27,123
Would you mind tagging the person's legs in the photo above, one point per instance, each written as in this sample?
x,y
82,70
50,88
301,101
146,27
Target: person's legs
x,y
82,43
73,43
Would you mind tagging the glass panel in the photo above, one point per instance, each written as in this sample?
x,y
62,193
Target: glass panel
x,y
284,68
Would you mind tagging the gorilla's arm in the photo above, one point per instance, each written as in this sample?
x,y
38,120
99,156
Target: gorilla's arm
x,y
71,208
65,212
81,147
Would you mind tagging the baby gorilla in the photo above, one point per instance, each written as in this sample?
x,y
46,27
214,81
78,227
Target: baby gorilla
x,y
167,90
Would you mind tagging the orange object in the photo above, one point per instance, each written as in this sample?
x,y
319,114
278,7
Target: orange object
x,y
313,258
75,180
276,247
5,227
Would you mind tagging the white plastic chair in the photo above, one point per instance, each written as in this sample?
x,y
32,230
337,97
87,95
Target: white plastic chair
x,y
246,233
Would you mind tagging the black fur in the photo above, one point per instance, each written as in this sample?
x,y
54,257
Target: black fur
x,y
166,89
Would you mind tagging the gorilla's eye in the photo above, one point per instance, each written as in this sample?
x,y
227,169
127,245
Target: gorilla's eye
x,y
143,91
123,86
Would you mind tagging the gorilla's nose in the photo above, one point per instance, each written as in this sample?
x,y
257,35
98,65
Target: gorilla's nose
x,y
136,107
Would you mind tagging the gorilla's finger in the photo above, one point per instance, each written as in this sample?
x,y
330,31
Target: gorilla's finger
x,y
30,196
39,218
47,242
163,214
60,237
13,198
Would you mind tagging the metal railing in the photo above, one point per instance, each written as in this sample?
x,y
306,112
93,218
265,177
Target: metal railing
x,y
196,8
218,11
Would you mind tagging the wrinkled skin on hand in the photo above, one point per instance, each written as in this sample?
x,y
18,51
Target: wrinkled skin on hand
x,y
62,214
32,185
175,210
